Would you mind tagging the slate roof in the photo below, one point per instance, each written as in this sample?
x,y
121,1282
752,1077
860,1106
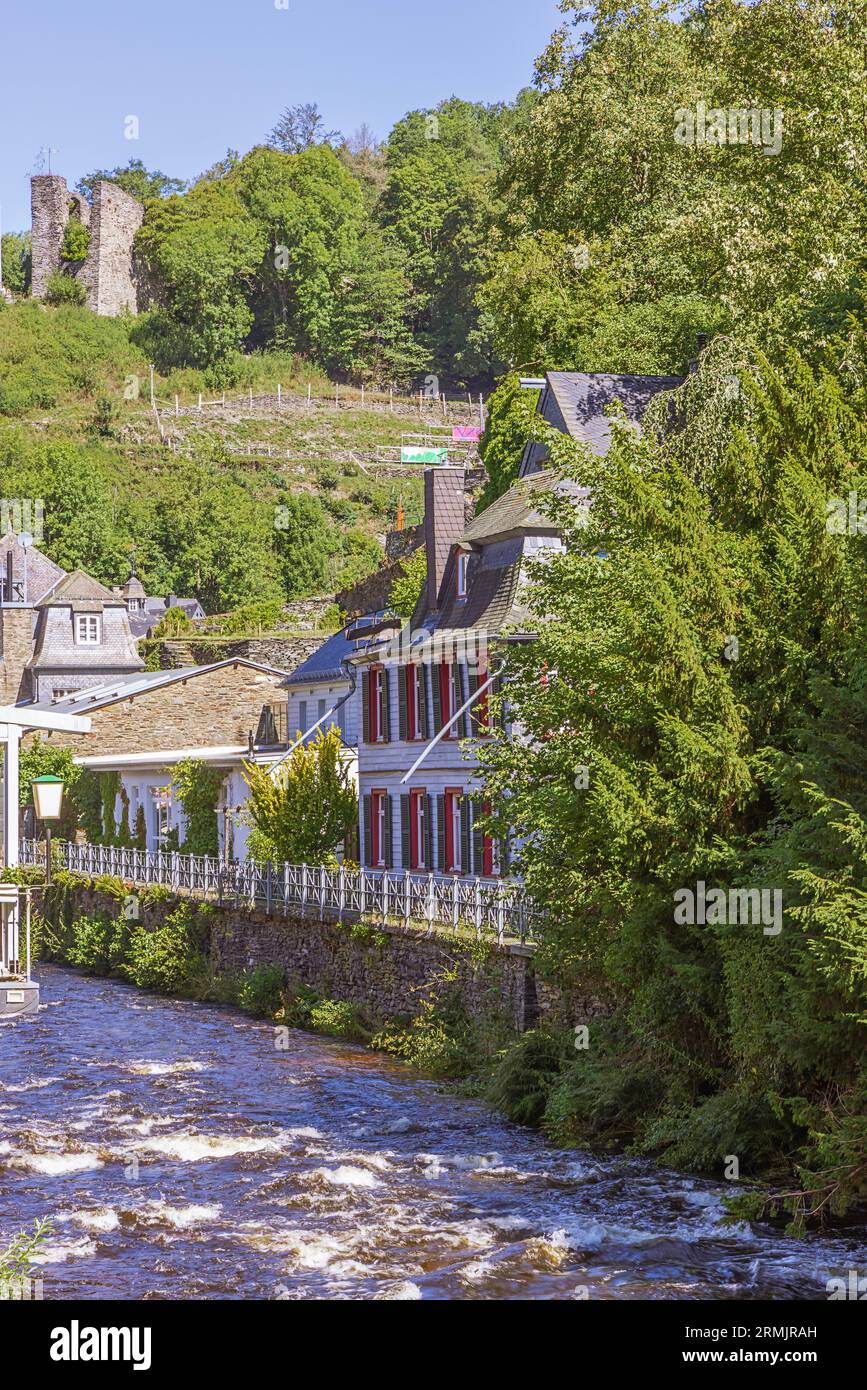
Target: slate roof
x,y
326,663
125,687
492,582
79,588
42,573
575,403
517,512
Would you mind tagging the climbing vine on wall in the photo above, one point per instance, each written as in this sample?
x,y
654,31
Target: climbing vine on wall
x,y
197,787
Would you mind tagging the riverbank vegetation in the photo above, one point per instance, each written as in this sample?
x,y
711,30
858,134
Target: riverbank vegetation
x,y
691,794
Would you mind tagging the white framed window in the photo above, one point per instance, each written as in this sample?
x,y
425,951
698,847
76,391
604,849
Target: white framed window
x,y
88,629
463,563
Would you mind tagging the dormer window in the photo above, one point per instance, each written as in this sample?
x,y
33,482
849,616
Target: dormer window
x,y
463,566
88,629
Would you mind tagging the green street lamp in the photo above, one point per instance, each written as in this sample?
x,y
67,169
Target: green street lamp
x,y
48,803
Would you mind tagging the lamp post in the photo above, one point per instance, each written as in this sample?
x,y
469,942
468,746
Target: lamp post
x,y
47,801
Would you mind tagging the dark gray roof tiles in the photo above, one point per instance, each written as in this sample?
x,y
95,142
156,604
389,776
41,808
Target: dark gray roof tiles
x,y
518,511
326,663
576,404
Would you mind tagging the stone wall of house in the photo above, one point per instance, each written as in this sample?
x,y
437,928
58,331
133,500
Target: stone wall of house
x,y
16,649
109,272
218,709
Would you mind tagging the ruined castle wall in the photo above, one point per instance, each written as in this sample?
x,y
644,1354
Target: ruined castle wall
x,y
115,219
108,273
49,208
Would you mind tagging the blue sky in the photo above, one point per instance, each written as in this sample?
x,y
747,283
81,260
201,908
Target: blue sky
x,y
204,75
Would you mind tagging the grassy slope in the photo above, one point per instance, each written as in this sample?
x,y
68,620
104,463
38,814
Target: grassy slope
x,y
57,365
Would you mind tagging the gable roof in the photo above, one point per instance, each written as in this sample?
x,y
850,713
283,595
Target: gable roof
x,y
142,683
518,512
576,403
42,573
326,663
79,587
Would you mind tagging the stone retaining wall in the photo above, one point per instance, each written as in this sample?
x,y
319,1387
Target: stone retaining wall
x,y
386,971
389,974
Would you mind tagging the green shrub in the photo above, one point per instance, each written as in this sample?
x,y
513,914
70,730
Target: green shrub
x,y
338,1019
98,944
260,991
76,241
524,1074
169,959
64,289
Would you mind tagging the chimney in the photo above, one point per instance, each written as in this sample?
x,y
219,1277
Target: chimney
x,y
700,345
444,522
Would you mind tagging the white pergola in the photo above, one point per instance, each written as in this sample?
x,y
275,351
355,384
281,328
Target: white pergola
x,y
15,721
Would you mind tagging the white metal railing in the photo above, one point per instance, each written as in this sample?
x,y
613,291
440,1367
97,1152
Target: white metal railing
x,y
491,907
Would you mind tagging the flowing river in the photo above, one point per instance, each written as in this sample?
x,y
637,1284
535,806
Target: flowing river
x,y
181,1154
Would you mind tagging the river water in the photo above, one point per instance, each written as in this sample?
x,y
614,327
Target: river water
x,y
180,1153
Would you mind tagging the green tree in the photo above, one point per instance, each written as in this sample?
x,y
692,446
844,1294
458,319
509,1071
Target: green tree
x,y
706,629
305,542
17,261
407,587
302,811
140,182
76,241
299,127
511,412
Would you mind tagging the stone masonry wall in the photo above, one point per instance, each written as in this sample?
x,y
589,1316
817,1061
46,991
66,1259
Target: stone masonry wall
x,y
388,980
109,273
16,649
49,213
217,709
389,975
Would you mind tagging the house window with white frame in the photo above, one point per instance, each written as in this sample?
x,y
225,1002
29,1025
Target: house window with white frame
x,y
463,565
88,629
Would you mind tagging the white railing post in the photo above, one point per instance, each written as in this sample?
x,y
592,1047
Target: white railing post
x,y
431,902
285,890
455,904
500,912
342,880
385,886
322,892
478,907
407,897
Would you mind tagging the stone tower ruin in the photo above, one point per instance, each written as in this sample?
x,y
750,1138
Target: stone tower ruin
x,y
109,272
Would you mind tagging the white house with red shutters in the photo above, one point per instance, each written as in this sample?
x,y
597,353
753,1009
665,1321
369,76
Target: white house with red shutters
x,y
424,693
